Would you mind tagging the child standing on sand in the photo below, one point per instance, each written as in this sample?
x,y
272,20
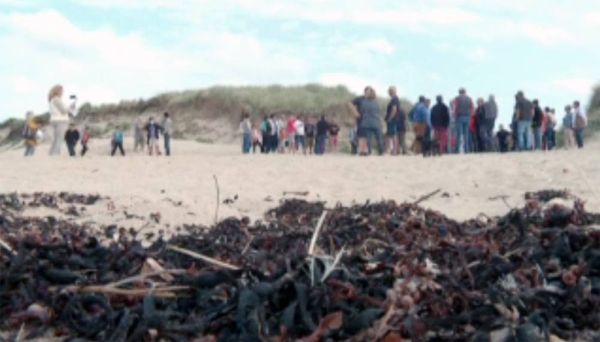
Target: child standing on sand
x,y
30,134
71,138
85,139
256,139
117,141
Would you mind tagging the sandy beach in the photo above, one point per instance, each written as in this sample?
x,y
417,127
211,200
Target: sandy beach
x,y
182,188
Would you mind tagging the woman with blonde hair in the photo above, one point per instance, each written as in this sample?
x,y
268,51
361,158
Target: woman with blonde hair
x,y
59,118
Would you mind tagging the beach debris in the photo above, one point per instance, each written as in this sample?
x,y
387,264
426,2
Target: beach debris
x,y
296,193
369,272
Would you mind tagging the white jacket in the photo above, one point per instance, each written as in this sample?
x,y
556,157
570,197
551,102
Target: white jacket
x,y
58,111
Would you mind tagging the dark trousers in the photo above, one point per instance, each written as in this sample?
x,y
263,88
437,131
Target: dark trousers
x,y
375,131
257,143
320,145
167,140
71,147
267,143
579,137
84,149
119,146
550,138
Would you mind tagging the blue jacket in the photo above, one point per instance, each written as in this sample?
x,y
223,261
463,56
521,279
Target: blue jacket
x,y
118,137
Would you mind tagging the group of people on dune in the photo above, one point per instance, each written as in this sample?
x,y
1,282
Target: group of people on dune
x,y
64,131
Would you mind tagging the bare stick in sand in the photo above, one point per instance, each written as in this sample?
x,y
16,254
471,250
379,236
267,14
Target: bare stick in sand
x,y
203,258
7,247
428,196
143,277
218,198
313,241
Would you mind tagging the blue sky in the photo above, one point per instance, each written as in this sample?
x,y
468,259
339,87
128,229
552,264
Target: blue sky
x,y
108,50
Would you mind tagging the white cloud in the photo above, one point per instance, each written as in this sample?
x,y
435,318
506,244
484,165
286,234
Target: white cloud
x,y
478,54
380,45
24,84
578,86
100,65
354,83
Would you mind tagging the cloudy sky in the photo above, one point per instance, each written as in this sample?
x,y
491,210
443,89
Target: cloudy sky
x,y
108,50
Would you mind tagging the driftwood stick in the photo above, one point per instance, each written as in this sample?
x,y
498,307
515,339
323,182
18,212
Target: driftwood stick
x,y
428,196
203,258
157,291
7,247
218,198
315,237
248,245
142,277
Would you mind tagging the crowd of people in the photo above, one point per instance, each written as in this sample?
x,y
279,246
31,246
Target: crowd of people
x,y
304,134
65,131
462,125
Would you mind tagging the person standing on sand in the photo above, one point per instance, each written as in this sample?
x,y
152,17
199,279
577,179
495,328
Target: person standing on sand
x,y
503,136
569,131
440,120
29,134
264,129
138,134
246,130
491,114
280,134
479,128
291,134
322,129
391,120
85,139
580,122
71,138
536,125
356,108
167,131
153,131
550,129
464,109
371,121
257,137
300,132
117,141
524,117
59,118
419,121
309,131
401,137
334,131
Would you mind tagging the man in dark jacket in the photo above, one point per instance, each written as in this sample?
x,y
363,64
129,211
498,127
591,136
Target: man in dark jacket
x,y
536,124
440,120
322,129
71,138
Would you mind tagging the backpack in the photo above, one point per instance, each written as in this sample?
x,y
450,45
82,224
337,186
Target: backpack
x,y
28,133
269,127
579,121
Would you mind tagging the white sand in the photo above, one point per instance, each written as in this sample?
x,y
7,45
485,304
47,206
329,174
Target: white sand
x,y
136,182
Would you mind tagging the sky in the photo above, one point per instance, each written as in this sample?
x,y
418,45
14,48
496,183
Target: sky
x,y
110,50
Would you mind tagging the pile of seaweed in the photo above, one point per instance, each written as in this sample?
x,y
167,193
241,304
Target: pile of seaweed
x,y
376,272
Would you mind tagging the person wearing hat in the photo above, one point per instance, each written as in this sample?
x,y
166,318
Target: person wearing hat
x,y
30,134
71,138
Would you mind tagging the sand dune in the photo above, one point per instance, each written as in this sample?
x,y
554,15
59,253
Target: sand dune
x,y
140,184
